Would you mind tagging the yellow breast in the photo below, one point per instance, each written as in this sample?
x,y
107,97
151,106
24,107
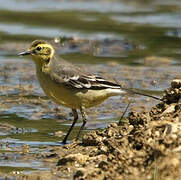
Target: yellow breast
x,y
70,97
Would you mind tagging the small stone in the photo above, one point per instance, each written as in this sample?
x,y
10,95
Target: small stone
x,y
176,83
59,133
103,149
157,133
92,139
112,125
73,158
170,109
80,172
103,165
131,127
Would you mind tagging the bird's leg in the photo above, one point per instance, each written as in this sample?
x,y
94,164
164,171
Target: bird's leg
x,y
84,118
74,111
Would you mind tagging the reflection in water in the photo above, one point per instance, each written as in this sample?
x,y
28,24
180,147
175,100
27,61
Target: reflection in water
x,y
97,6
158,20
53,32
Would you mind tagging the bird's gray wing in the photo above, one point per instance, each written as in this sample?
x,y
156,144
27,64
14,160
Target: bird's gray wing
x,y
72,76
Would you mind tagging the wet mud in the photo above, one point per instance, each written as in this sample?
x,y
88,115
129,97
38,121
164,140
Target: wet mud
x,y
146,145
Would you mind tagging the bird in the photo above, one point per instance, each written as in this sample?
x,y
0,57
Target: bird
x,y
69,85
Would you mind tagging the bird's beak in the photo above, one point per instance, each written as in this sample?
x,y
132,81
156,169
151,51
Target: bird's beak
x,y
25,53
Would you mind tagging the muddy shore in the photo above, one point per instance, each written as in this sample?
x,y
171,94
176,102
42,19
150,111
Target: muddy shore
x,y
146,146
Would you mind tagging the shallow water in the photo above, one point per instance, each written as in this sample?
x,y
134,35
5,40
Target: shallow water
x,y
136,42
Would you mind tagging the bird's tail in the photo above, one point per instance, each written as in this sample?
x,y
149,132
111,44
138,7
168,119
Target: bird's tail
x,y
117,89
132,91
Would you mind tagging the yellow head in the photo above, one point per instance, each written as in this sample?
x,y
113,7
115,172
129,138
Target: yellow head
x,y
40,51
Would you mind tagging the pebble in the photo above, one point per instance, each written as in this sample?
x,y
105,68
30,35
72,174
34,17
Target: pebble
x,y
176,83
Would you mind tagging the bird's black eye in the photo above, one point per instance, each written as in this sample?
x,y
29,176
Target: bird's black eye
x,y
39,48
